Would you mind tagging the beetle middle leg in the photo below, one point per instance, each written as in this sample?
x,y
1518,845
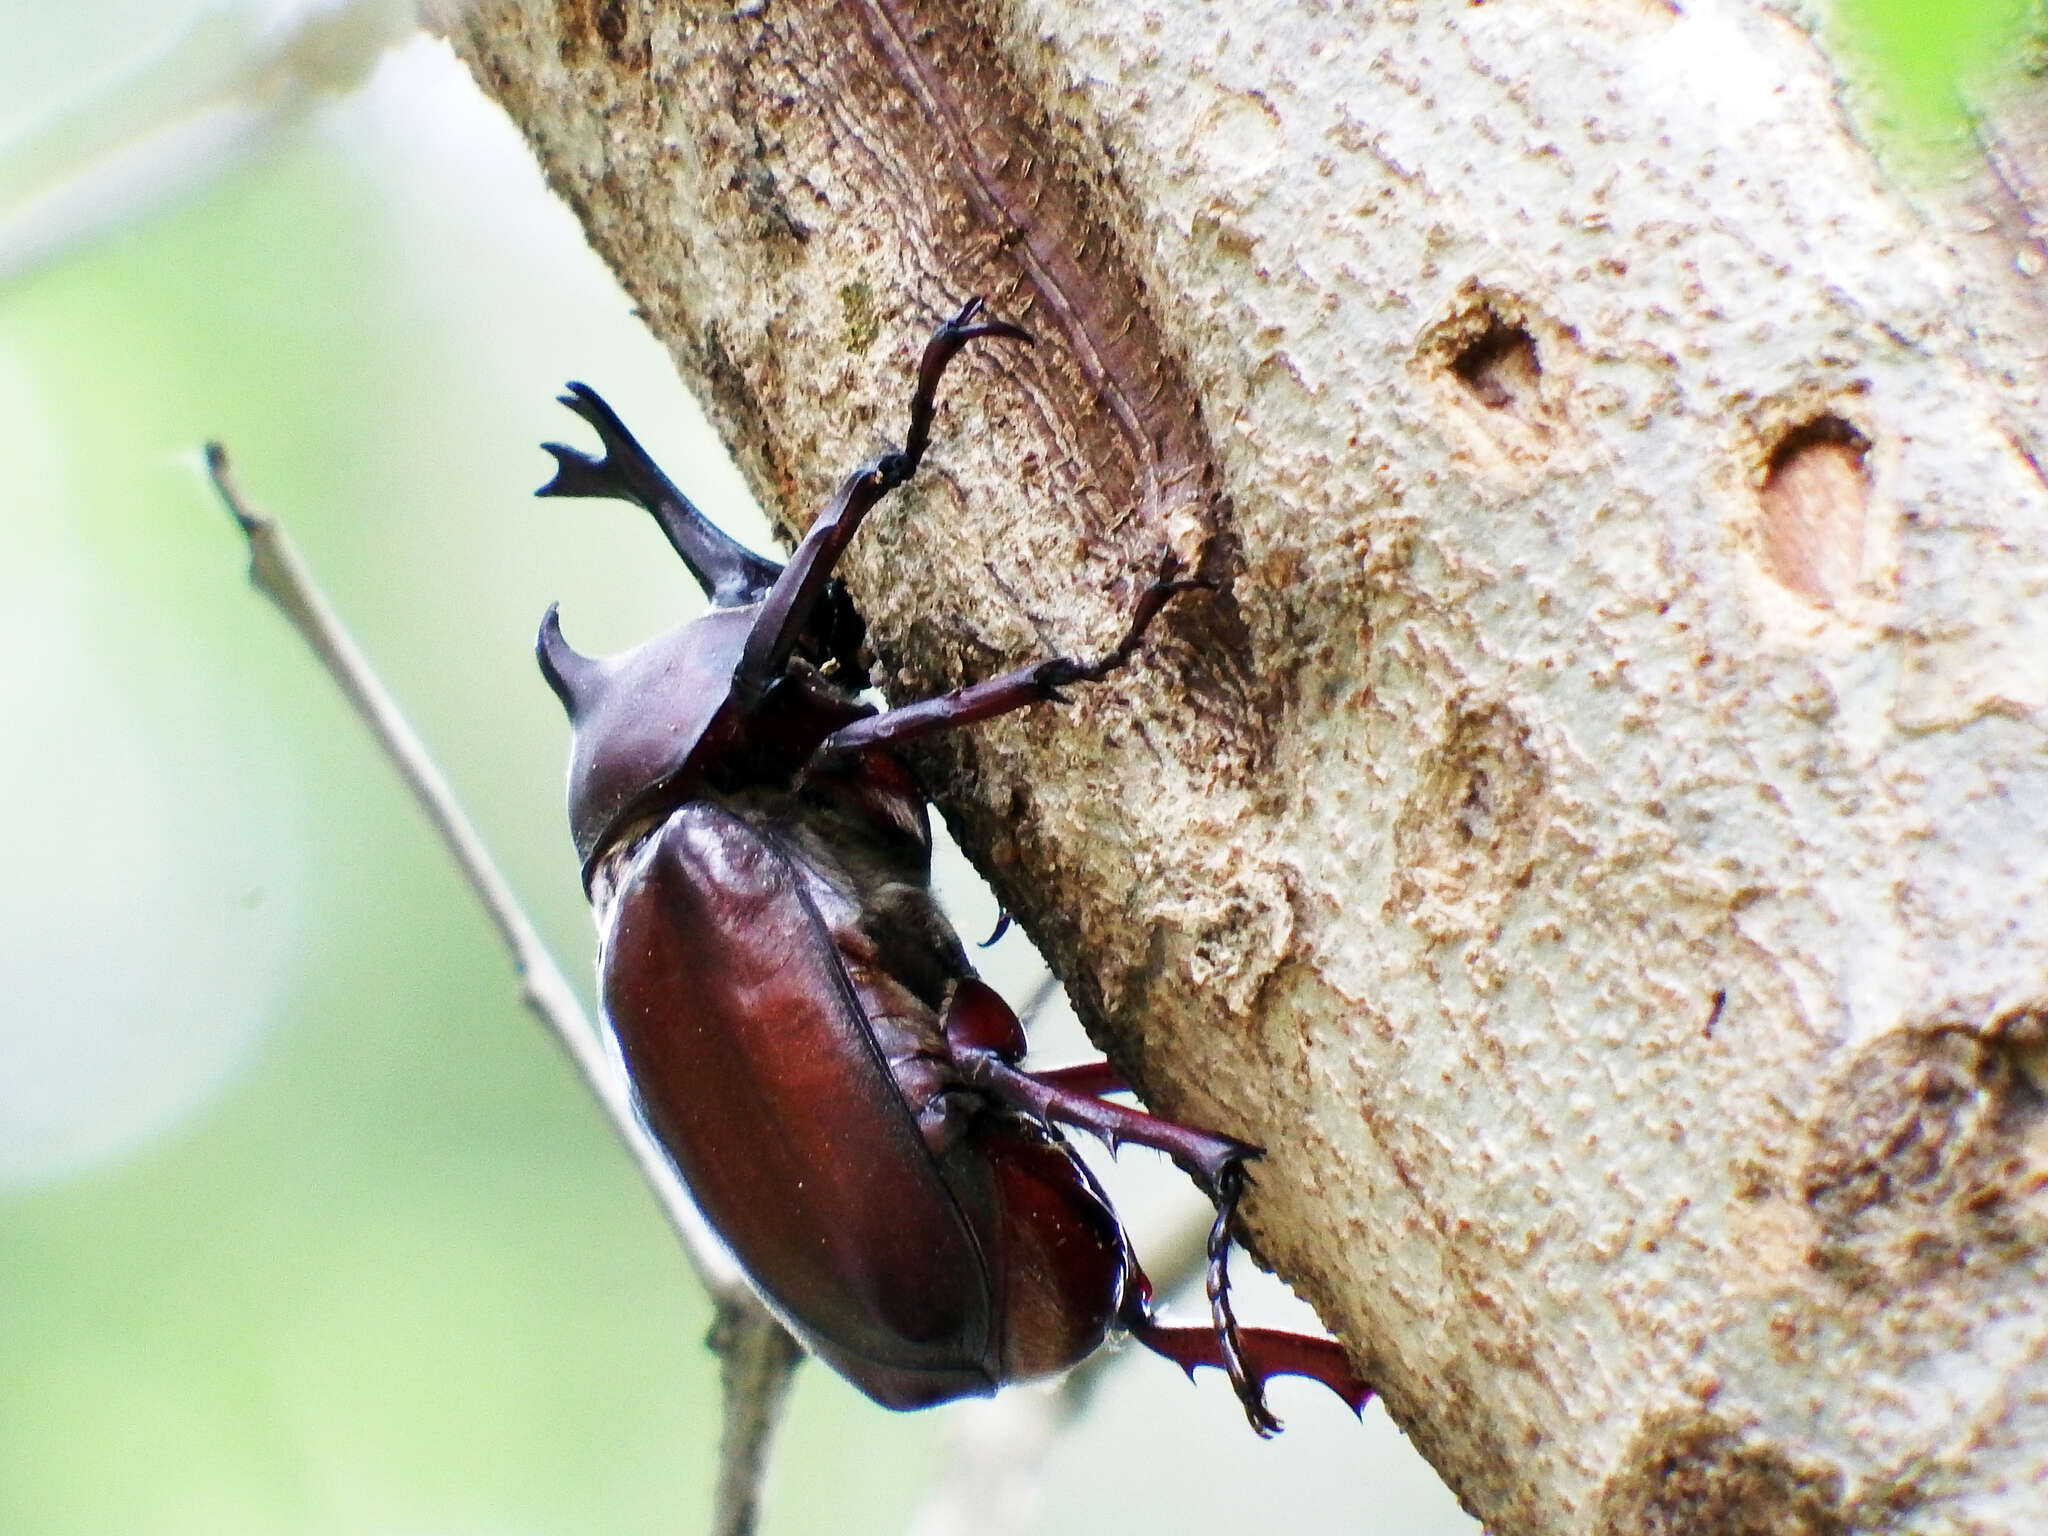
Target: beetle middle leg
x,y
1250,1356
986,1044
1203,1156
1215,1163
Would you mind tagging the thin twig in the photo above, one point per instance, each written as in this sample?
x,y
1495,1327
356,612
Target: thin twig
x,y
757,1355
755,1367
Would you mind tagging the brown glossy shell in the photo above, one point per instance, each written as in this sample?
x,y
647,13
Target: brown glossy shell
x,y
757,1072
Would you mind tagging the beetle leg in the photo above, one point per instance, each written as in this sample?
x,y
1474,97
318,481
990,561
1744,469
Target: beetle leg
x,y
978,1020
1216,1163
1250,1388
1205,1157
788,606
1251,1356
1034,684
947,340
727,570
1089,1077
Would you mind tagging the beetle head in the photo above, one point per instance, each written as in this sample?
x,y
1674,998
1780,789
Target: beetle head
x,y
656,724
644,721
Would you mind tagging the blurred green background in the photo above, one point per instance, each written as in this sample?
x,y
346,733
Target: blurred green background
x,y
304,1226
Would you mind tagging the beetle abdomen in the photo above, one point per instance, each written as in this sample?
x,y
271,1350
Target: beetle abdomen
x,y
758,1074
1055,1251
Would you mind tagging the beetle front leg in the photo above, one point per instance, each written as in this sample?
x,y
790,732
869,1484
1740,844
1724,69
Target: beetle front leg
x,y
795,593
968,325
1035,684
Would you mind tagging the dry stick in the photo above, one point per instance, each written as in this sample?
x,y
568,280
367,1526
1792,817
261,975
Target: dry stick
x,y
756,1354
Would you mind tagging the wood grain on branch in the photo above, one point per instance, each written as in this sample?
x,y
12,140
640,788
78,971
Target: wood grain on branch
x,y
1598,840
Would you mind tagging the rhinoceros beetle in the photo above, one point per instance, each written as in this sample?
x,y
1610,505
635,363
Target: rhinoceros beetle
x,y
841,1094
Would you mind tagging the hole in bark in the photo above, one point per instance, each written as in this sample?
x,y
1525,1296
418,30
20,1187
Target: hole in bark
x,y
604,22
1499,367
1500,373
1814,496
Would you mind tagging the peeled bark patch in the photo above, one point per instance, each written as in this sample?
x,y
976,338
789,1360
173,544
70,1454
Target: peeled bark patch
x,y
1698,1476
1466,840
1930,1159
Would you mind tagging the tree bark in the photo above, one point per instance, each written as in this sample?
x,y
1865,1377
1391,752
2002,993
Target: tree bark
x,y
1596,838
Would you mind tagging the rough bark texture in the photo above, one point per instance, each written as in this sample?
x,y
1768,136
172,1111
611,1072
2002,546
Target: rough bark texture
x,y
1597,840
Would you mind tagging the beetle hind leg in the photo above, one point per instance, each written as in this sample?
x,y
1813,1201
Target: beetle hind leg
x,y
1264,1354
1250,1357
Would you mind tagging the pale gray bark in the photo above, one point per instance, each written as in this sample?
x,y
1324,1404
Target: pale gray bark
x,y
1597,840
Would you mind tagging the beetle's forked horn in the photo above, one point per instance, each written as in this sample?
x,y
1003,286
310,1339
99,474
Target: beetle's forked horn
x,y
726,569
574,676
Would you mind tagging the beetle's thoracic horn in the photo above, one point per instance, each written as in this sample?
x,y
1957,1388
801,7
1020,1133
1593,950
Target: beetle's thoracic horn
x,y
574,676
726,569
